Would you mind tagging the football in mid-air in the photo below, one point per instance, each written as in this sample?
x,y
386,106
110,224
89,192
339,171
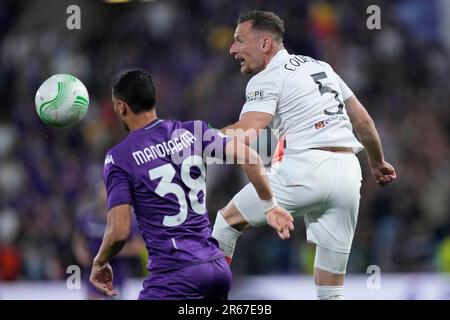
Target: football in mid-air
x,y
62,101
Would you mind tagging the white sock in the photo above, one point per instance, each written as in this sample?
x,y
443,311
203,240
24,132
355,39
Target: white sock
x,y
330,292
226,235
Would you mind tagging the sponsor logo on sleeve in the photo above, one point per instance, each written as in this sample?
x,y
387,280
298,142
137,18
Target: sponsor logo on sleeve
x,y
109,159
254,95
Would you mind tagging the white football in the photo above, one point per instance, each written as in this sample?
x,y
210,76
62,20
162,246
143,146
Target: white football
x,y
62,101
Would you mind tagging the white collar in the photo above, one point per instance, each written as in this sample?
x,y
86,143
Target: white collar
x,y
277,58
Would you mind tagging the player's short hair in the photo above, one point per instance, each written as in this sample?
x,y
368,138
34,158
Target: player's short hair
x,y
264,21
136,88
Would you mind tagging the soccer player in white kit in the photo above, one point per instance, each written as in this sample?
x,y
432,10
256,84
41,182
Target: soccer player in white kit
x,y
319,176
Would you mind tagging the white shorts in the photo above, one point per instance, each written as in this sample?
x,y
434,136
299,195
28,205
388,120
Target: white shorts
x,y
320,185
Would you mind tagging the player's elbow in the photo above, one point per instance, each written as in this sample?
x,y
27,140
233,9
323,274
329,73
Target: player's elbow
x,y
242,154
252,157
246,155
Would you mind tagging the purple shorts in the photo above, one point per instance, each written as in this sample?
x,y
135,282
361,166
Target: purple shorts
x,y
208,280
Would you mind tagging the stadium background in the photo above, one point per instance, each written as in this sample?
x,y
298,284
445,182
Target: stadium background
x,y
47,175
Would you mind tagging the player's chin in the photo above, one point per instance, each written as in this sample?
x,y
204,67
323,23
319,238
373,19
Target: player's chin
x,y
246,70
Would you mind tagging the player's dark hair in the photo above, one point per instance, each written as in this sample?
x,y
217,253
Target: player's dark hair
x,y
136,88
264,21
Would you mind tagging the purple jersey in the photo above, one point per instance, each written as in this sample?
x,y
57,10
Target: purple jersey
x,y
160,170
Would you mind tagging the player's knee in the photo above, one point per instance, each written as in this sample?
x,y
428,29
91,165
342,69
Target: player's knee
x,y
225,235
329,273
326,278
221,226
233,217
329,266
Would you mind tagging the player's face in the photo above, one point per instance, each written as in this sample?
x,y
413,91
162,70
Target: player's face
x,y
118,106
247,48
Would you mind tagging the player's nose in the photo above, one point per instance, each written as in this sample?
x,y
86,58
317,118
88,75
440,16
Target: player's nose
x,y
233,50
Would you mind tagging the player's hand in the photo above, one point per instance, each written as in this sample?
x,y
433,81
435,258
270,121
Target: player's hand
x,y
281,220
102,277
383,173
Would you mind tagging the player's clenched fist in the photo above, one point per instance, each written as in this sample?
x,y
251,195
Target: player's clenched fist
x,y
384,173
281,220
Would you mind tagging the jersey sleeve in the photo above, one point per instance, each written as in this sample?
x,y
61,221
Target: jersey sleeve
x,y
116,183
346,91
214,142
261,94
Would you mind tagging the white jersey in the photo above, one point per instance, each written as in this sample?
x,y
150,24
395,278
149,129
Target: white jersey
x,y
306,98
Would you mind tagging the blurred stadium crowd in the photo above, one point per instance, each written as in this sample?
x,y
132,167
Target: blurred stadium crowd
x,y
400,73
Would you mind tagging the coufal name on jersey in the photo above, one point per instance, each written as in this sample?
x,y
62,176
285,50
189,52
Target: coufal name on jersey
x,y
297,61
166,148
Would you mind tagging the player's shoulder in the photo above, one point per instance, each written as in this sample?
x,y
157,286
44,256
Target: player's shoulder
x,y
116,160
190,123
281,67
112,156
193,125
325,65
186,129
172,125
269,78
116,154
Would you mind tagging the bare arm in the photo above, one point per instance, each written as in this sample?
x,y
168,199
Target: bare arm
x,y
116,234
246,130
252,165
365,129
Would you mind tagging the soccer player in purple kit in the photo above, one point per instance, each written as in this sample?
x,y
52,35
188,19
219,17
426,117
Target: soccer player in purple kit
x,y
159,169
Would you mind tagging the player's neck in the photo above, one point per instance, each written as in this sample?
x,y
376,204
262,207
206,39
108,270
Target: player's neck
x,y
272,54
141,120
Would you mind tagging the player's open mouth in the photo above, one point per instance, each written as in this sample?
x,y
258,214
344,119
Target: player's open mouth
x,y
241,62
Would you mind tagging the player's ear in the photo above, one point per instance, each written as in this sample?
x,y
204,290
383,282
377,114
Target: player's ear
x,y
122,107
266,44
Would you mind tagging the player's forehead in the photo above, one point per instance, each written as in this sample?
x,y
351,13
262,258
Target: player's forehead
x,y
243,29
